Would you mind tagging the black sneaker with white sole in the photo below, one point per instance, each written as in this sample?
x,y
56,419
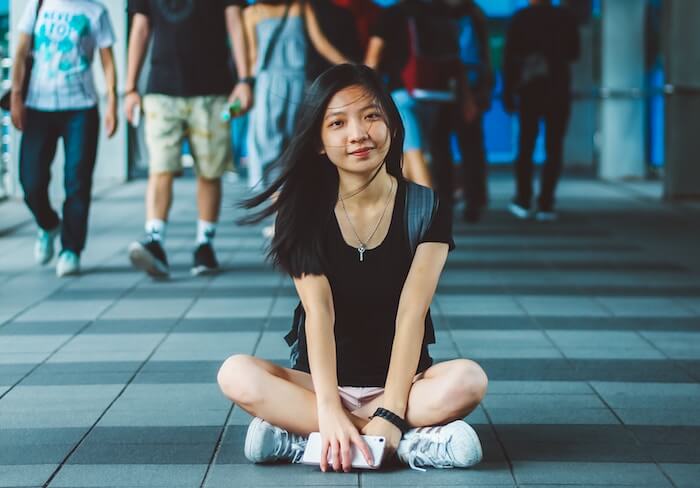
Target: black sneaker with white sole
x,y
149,256
204,260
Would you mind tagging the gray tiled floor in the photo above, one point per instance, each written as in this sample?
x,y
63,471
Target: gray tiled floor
x,y
589,330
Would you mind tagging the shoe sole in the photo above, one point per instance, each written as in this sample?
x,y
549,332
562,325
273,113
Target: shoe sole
x,y
73,272
144,260
519,212
203,271
250,434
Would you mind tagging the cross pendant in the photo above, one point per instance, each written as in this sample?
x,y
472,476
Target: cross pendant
x,y
361,250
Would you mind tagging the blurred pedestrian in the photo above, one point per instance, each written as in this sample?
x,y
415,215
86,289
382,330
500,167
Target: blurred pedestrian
x,y
190,86
61,103
476,60
389,52
542,41
276,32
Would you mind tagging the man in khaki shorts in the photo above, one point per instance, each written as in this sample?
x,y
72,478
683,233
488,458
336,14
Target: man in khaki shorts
x,y
189,86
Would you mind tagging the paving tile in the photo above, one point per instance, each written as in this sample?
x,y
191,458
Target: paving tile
x,y
205,346
250,475
683,475
588,473
41,328
553,415
129,475
60,310
477,305
571,306
504,344
601,344
161,308
35,454
643,307
230,308
25,476
676,345
96,453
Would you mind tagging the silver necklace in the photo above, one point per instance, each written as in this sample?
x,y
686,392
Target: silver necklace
x,y
363,244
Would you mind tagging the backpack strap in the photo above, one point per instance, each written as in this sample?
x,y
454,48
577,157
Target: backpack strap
x,y
419,211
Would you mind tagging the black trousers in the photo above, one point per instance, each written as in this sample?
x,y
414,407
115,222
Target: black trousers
x,y
470,137
555,110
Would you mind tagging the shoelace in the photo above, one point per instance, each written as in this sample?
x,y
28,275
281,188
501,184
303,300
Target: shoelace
x,y
290,446
429,452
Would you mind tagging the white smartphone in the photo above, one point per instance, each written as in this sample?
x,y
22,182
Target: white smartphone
x,y
312,453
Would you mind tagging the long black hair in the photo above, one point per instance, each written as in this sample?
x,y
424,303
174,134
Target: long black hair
x,y
305,191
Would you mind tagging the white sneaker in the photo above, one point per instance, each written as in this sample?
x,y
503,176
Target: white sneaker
x,y
454,445
519,211
68,264
44,245
265,443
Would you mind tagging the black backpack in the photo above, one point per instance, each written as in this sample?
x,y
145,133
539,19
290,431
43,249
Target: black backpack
x,y
419,210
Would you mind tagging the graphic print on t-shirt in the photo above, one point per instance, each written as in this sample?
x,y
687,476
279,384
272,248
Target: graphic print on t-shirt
x,y
176,10
56,41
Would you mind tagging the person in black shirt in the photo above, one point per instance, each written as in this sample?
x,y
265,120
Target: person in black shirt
x,y
190,88
363,324
542,41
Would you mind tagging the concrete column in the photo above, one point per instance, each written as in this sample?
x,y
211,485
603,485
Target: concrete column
x,y
622,115
111,167
682,58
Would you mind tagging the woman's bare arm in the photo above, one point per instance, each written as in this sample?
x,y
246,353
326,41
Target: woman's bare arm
x,y
375,50
416,296
320,42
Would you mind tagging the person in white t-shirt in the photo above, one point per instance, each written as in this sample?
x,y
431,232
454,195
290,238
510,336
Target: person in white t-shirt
x,y
61,102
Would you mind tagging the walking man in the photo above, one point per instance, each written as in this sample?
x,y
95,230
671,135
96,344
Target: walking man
x,y
189,86
541,43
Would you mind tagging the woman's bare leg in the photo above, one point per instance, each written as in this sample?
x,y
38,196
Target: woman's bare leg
x,y
447,391
284,397
416,169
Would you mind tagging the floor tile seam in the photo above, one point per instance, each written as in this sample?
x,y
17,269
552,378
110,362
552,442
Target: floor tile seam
x,y
47,358
632,434
119,394
219,441
671,360
676,300
502,445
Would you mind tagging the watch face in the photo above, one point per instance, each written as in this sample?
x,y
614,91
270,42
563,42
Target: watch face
x,y
176,10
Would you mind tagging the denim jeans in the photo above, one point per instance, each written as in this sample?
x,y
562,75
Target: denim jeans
x,y
79,130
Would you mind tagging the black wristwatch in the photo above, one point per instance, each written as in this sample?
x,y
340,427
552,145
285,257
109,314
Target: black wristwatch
x,y
390,416
248,79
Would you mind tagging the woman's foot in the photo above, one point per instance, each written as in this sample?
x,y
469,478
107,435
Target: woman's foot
x,y
265,443
454,445
68,264
44,245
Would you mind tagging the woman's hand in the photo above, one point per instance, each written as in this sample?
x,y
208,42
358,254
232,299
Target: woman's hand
x,y
339,434
384,428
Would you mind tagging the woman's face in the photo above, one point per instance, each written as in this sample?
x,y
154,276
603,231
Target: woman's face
x,y
354,132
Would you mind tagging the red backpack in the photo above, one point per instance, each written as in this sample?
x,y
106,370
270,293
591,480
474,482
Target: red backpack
x,y
434,62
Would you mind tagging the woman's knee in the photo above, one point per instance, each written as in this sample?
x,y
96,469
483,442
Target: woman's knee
x,y
238,379
467,384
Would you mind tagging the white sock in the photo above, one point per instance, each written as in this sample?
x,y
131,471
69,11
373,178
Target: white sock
x,y
155,228
205,231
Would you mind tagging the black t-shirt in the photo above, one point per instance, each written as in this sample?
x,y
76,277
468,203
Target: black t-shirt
x,y
366,298
191,53
391,27
546,30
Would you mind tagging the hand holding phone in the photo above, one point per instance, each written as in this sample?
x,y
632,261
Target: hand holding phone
x,y
312,453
